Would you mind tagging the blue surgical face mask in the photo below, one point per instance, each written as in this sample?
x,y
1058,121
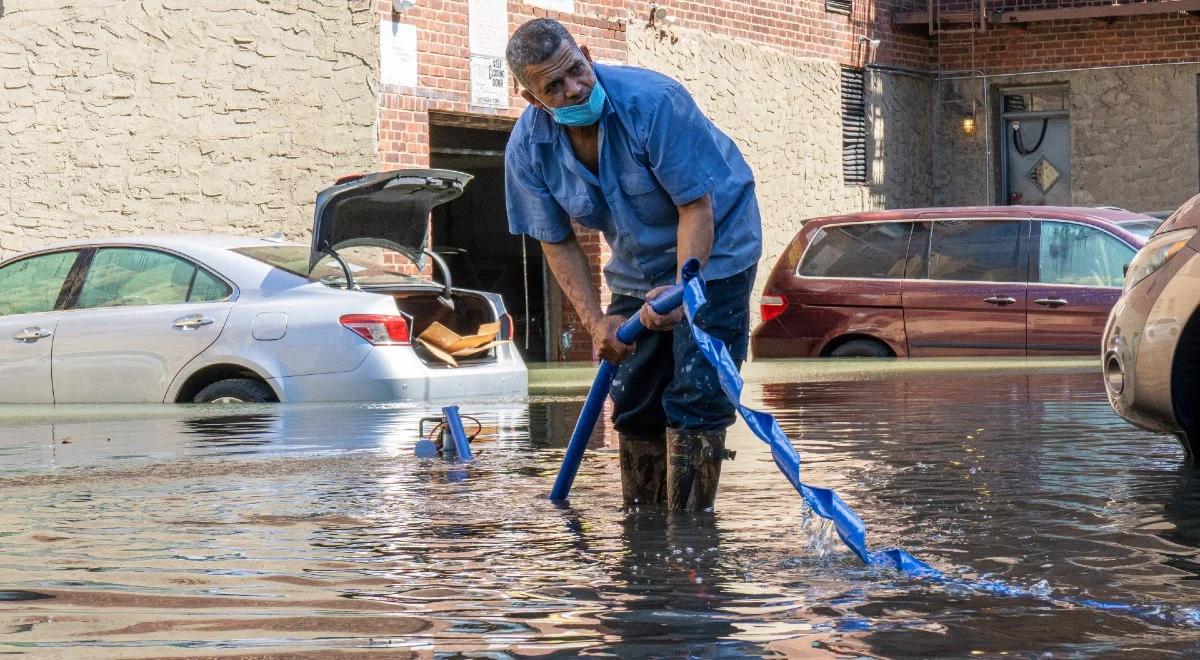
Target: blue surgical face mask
x,y
584,114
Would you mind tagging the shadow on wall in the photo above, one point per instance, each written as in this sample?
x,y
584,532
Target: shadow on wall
x,y
1,8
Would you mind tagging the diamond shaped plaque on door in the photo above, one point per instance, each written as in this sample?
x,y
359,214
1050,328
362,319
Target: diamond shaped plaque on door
x,y
1044,175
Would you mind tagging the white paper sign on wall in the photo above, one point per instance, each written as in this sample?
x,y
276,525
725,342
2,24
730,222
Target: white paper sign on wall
x,y
489,82
397,54
487,26
563,6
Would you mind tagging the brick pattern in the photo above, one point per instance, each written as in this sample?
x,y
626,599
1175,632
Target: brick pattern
x,y
443,72
1024,5
802,29
1071,44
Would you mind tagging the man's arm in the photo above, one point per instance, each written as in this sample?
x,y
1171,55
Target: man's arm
x,y
570,267
693,239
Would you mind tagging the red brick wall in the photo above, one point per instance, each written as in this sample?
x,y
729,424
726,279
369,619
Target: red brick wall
x,y
443,73
804,28
1072,44
1023,5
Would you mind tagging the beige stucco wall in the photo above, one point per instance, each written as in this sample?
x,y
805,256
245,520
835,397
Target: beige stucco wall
x,y
784,113
167,115
1133,137
901,136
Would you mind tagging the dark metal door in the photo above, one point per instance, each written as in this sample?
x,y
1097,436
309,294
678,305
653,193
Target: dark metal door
x,y
1038,154
1037,147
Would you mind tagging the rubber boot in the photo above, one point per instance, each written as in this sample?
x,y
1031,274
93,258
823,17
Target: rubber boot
x,y
643,469
694,468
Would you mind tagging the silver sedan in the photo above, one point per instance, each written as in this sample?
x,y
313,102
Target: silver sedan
x,y
229,319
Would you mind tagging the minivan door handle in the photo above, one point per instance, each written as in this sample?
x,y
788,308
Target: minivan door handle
x,y
1000,300
191,322
1052,303
32,334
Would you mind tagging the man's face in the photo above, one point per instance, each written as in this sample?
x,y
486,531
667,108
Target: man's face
x,y
563,79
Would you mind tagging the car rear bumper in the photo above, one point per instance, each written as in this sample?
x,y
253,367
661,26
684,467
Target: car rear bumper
x,y
1140,342
394,373
773,339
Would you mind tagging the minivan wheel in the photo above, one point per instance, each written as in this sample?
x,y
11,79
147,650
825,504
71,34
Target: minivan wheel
x,y
861,348
236,390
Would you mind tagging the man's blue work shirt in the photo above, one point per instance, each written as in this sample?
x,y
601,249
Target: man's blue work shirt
x,y
657,152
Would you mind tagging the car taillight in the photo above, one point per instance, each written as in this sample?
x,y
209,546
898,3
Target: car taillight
x,y
772,307
379,329
506,327
347,178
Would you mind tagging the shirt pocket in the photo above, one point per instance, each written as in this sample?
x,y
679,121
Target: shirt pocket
x,y
577,206
582,209
649,201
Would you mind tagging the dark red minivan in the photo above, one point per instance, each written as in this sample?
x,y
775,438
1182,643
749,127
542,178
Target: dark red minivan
x,y
994,281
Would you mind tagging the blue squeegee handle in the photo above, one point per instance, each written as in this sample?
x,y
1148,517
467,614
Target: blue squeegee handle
x,y
628,333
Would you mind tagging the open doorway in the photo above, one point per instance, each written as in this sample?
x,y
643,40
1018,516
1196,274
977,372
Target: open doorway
x,y
471,232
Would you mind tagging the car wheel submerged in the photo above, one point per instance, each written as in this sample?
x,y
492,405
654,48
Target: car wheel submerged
x,y
236,390
861,348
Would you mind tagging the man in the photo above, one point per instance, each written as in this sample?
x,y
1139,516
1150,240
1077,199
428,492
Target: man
x,y
626,151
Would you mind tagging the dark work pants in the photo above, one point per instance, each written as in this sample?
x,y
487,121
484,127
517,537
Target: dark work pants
x,y
667,382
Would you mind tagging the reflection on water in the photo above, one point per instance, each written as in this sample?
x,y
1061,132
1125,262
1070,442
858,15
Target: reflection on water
x,y
176,530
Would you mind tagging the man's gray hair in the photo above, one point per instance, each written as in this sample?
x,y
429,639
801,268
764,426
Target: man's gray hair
x,y
535,42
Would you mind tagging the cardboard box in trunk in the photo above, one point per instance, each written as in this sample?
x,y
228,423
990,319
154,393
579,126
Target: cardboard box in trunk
x,y
446,344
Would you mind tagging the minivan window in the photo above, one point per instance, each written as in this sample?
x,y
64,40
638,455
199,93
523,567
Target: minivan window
x,y
121,277
1078,254
975,251
866,250
32,285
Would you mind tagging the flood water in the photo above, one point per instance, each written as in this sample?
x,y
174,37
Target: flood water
x,y
168,530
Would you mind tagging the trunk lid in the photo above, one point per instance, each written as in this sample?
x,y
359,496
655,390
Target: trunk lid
x,y
384,209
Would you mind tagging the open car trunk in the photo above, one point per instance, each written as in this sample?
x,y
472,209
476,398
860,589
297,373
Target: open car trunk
x,y
390,211
423,308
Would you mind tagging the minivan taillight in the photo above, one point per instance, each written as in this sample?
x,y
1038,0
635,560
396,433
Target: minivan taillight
x,y
379,329
772,307
506,327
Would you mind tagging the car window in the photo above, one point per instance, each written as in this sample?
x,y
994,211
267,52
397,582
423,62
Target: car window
x,y
32,285
869,250
1143,228
975,250
1078,254
132,276
370,265
207,287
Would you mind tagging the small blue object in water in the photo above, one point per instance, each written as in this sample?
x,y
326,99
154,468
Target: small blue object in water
x,y
425,448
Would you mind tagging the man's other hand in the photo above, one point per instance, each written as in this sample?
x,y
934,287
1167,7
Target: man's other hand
x,y
660,322
604,336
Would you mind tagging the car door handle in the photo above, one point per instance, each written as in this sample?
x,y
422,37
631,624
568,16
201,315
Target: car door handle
x,y
191,322
32,334
1000,300
1052,303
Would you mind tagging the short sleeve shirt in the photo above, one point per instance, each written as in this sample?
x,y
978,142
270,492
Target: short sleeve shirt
x,y
657,152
